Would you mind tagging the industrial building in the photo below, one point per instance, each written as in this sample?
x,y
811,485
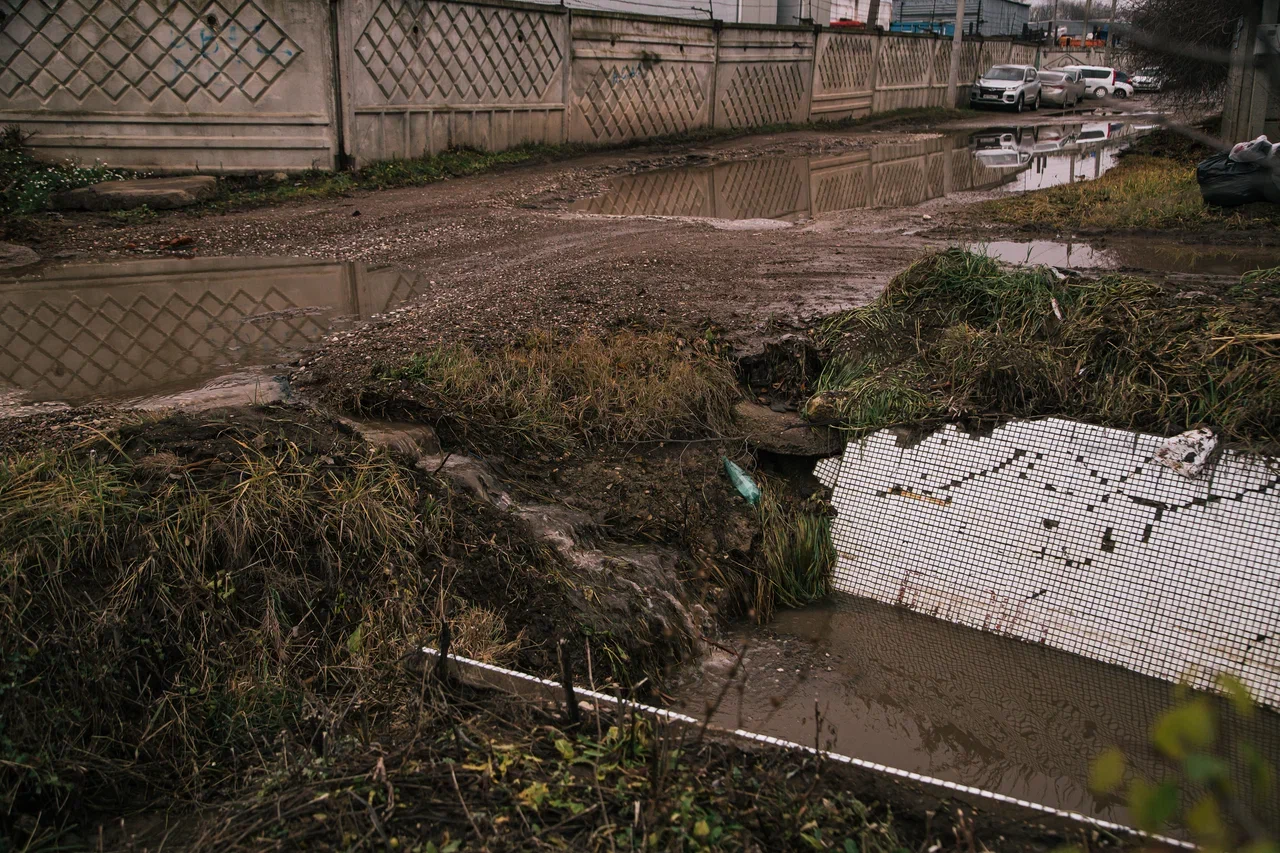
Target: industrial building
x,y
981,17
752,11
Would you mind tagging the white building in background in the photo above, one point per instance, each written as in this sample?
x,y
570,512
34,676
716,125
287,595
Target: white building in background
x,y
748,11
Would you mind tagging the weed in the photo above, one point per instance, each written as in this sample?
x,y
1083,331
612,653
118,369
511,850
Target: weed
x,y
136,216
797,555
550,393
27,184
957,335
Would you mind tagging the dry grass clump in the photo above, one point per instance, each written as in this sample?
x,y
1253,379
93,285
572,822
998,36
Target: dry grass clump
x,y
165,619
552,392
958,335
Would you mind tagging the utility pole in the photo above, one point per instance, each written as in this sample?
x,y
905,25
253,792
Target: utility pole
x,y
953,79
1111,26
1053,24
873,14
1084,34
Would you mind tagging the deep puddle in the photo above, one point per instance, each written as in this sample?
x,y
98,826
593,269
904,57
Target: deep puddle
x,y
113,332
928,696
1136,254
883,175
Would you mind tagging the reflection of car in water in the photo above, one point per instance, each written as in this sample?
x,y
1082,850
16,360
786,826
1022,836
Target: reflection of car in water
x,y
1101,131
1002,147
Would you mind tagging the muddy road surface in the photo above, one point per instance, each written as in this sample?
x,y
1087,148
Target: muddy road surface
x,y
743,233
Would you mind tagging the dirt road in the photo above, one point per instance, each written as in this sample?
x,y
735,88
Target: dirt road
x,y
507,254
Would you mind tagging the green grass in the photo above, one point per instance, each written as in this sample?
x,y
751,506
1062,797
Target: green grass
x,y
796,555
552,392
27,184
1152,188
957,335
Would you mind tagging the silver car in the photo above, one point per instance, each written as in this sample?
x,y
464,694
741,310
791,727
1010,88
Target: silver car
x,y
1016,86
1062,88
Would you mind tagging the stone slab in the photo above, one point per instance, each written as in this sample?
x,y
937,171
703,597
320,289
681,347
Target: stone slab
x,y
13,256
155,193
785,432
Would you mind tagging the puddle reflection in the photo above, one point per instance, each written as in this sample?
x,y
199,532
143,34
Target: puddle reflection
x,y
99,331
886,175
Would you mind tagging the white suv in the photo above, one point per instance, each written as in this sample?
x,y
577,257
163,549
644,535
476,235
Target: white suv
x,y
1016,86
1100,82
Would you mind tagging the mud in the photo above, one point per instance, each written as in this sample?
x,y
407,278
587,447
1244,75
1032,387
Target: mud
x,y
887,685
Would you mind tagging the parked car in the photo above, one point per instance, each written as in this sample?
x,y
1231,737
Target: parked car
x,y
1063,88
1148,80
1101,82
1016,86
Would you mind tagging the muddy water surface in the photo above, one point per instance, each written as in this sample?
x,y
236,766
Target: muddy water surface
x,y
891,174
1133,253
887,685
140,330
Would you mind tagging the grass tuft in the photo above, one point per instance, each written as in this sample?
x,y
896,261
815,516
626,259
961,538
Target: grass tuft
x,y
796,555
550,393
957,335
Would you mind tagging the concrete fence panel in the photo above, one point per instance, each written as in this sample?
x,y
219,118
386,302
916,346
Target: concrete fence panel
x,y
634,77
763,76
270,85
844,75
903,73
171,84
426,76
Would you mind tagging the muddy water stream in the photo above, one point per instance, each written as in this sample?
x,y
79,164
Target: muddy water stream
x,y
890,174
885,684
138,331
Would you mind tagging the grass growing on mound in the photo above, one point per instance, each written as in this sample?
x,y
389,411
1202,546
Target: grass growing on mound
x,y
552,392
957,335
162,618
1153,187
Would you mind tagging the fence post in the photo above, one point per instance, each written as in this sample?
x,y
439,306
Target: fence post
x,y
716,28
953,79
566,87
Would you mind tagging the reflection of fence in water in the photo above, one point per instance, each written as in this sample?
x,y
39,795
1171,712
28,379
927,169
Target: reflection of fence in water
x,y
131,328
882,176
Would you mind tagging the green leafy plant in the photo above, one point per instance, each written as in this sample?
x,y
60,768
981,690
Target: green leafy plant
x,y
1204,796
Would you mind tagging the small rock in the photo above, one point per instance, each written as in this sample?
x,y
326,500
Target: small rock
x,y
13,256
279,176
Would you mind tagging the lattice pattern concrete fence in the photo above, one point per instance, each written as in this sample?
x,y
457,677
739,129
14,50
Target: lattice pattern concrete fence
x,y
267,85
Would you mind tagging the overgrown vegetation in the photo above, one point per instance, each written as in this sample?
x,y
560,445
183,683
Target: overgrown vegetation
x,y
192,594
1153,187
957,335
27,183
550,393
796,554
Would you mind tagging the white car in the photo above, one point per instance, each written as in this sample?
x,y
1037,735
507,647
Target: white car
x,y
1102,82
1014,86
1148,80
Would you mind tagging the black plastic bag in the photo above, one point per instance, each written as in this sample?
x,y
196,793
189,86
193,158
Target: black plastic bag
x,y
1227,183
